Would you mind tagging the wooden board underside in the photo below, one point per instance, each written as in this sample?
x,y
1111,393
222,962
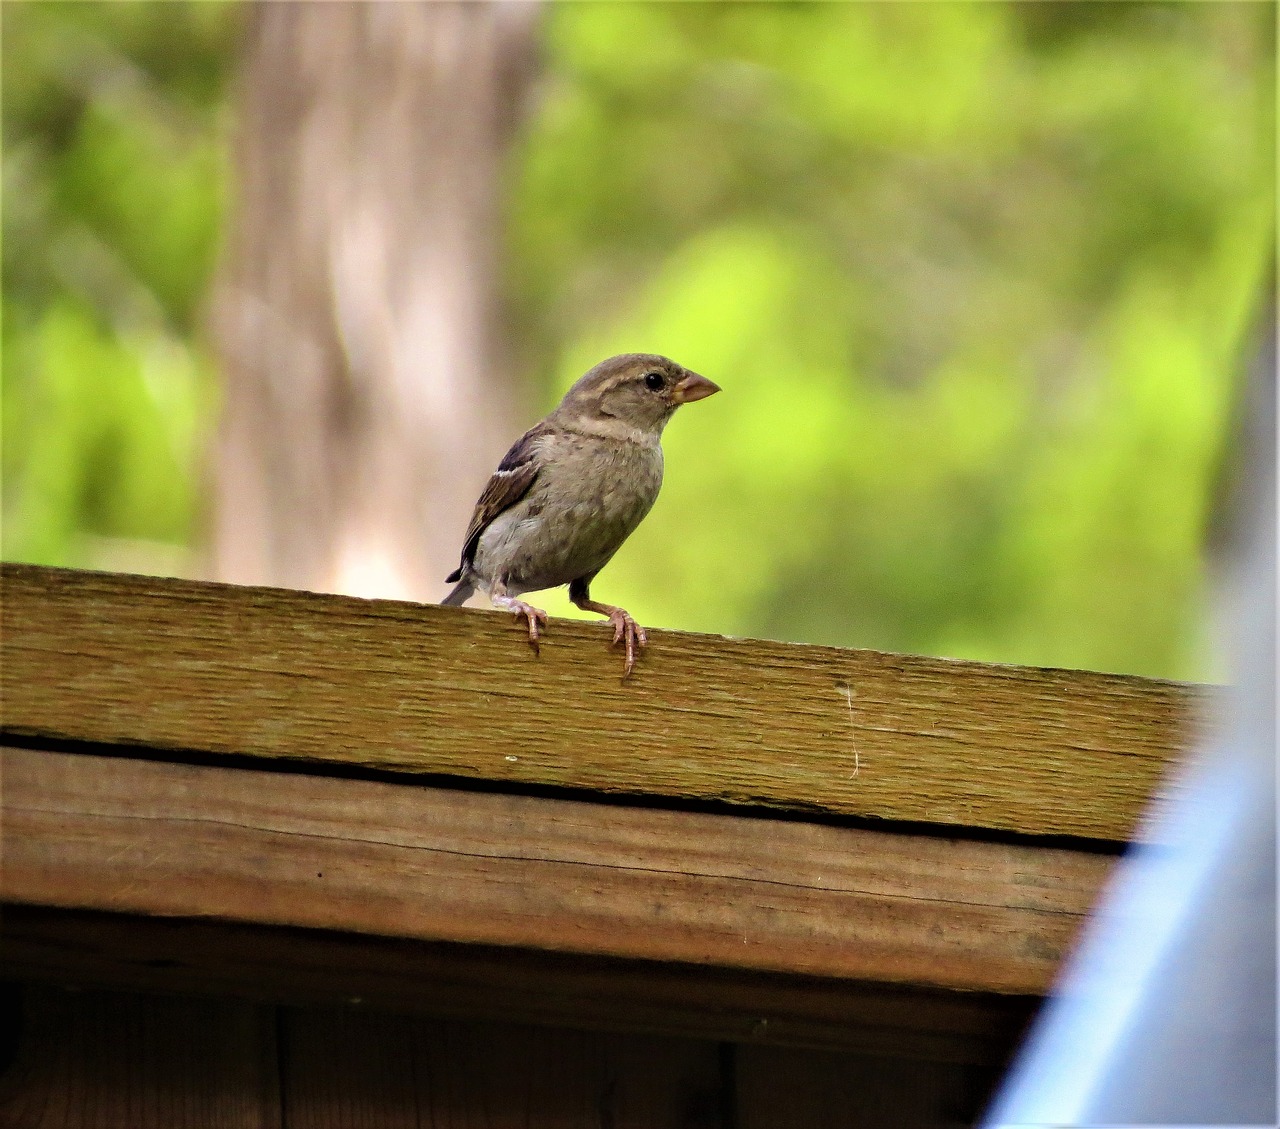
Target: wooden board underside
x,y
313,967
177,665
110,1060
398,860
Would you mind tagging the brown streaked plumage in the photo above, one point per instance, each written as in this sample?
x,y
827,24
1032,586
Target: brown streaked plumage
x,y
573,488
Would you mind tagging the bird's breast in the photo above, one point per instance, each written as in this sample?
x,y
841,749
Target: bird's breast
x,y
584,505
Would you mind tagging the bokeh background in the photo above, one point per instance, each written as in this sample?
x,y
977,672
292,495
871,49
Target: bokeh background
x,y
978,279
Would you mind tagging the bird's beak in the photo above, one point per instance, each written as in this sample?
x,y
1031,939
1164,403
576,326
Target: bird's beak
x,y
693,387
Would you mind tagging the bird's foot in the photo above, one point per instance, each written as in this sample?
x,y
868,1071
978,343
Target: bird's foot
x,y
533,615
626,630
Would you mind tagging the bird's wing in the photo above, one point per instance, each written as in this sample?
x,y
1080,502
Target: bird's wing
x,y
510,482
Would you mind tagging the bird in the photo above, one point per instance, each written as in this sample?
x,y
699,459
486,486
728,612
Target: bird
x,y
572,489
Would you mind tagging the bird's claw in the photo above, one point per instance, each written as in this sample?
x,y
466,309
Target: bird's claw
x,y
625,629
533,615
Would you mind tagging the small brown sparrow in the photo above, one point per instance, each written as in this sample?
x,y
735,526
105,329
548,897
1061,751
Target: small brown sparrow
x,y
573,488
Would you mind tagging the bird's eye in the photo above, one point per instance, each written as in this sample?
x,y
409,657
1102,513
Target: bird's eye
x,y
653,381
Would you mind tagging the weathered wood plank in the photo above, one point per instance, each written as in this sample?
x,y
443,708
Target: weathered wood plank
x,y
219,669
180,955
112,834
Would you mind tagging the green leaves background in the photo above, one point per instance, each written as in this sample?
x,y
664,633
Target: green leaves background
x,y
976,279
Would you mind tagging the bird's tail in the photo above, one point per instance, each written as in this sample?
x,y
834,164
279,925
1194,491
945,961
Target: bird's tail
x,y
461,594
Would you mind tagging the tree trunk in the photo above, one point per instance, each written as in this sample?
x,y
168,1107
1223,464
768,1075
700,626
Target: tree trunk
x,y
366,392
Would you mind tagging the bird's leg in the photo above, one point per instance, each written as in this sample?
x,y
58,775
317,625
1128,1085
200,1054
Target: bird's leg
x,y
625,629
534,615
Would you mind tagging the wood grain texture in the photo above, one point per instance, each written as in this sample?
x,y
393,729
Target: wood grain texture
x,y
397,860
180,665
107,1060
321,968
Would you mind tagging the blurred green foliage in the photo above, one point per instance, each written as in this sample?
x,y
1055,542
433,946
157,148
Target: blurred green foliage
x,y
975,277
115,169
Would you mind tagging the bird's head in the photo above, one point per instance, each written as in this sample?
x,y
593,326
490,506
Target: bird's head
x,y
635,392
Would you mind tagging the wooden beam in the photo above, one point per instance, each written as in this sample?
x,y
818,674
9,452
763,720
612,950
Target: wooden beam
x,y
318,967
397,860
177,665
